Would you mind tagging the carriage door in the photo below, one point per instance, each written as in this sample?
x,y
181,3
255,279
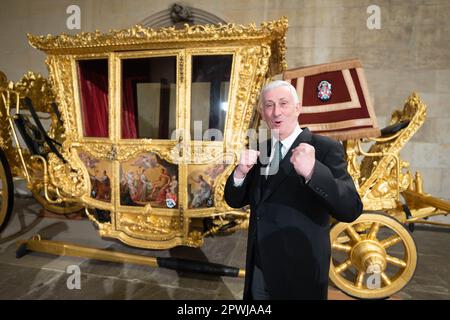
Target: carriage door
x,y
149,146
207,95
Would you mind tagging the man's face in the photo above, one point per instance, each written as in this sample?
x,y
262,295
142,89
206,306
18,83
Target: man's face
x,y
280,111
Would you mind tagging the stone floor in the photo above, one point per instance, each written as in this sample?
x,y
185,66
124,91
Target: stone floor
x,y
43,276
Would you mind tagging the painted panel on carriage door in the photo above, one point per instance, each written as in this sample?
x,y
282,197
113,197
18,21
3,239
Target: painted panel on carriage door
x,y
100,173
148,178
201,184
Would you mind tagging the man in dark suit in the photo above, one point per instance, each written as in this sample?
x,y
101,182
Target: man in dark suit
x,y
291,200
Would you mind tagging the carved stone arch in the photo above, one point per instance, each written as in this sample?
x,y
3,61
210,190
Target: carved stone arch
x,y
177,15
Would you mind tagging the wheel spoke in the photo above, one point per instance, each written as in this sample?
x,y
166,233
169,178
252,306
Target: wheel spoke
x,y
341,247
373,231
342,239
351,232
343,266
389,242
396,261
385,279
360,279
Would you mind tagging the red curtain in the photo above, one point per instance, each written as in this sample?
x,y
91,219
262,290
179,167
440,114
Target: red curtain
x,y
129,108
93,75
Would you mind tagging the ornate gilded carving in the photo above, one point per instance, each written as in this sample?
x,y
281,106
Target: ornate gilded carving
x,y
381,173
97,150
124,151
7,101
60,70
67,177
220,203
352,161
194,239
140,36
38,89
148,225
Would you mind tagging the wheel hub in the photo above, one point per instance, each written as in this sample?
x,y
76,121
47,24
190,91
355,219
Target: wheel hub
x,y
368,256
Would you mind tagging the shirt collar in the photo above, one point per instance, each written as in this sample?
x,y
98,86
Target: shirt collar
x,y
287,142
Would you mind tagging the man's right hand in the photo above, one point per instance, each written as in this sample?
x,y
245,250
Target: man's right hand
x,y
248,160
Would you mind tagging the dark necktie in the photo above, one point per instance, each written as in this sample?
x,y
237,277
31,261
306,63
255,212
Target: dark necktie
x,y
275,163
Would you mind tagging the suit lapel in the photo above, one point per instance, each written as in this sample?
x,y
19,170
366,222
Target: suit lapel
x,y
260,181
286,166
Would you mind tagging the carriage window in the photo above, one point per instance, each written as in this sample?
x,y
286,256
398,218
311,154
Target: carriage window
x,y
148,97
209,96
93,84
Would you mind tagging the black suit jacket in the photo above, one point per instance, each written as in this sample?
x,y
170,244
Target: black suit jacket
x,y
290,220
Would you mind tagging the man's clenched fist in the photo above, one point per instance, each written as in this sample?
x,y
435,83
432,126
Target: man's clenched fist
x,y
303,158
248,160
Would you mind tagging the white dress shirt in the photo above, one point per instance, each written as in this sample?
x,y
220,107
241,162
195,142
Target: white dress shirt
x,y
285,146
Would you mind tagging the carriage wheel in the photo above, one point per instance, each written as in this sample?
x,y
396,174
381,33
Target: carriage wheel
x,y
6,191
373,257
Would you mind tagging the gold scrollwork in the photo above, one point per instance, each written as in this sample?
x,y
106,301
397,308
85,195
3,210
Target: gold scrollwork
x,y
61,79
38,89
66,177
194,239
148,225
139,36
381,176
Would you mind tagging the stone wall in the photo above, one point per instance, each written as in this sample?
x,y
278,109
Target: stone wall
x,y
411,51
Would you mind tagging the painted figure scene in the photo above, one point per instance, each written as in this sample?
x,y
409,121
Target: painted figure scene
x,y
149,179
100,175
201,182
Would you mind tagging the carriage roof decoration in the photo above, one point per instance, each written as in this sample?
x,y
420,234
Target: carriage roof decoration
x,y
122,94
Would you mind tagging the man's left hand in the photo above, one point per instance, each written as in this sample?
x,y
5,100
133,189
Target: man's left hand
x,y
303,158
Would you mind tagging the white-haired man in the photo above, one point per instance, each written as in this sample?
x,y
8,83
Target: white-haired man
x,y
291,200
